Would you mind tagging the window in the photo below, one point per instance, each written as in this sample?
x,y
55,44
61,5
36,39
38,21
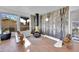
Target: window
x,y
8,23
24,24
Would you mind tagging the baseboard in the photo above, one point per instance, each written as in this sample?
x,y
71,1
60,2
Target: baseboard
x,y
58,44
50,37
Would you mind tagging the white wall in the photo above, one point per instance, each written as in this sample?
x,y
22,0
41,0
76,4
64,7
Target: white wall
x,y
18,23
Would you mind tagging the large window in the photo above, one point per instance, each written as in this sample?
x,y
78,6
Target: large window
x,y
75,25
12,23
75,30
8,23
24,24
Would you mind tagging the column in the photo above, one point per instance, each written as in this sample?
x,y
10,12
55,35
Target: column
x,y
18,23
30,25
39,22
69,24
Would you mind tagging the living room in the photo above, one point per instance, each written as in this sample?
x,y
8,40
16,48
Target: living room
x,y
43,28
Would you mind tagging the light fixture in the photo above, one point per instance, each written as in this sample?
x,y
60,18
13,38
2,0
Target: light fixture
x,y
46,19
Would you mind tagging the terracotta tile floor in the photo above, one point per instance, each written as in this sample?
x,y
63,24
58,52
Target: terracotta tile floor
x,y
38,45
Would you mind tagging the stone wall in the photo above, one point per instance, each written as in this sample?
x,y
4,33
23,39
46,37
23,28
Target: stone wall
x,y
57,24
